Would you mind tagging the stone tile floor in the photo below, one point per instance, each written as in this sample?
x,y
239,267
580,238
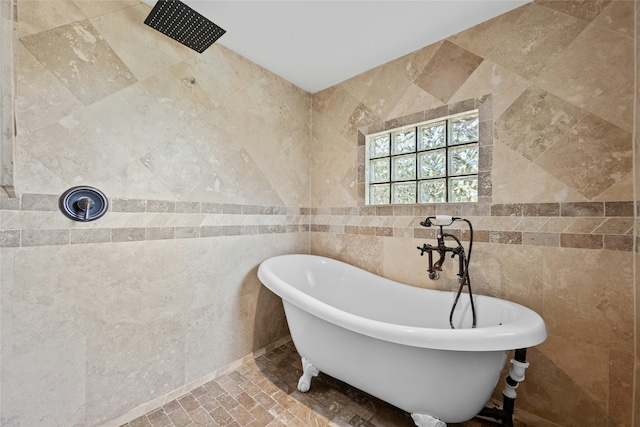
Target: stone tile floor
x,y
262,393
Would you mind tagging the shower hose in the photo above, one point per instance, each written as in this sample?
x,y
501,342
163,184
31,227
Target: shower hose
x,y
464,280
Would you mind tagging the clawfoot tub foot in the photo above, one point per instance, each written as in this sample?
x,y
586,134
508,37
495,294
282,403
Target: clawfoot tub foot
x,y
424,420
308,371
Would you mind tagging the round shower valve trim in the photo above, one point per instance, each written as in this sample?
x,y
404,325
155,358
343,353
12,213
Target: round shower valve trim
x,y
83,203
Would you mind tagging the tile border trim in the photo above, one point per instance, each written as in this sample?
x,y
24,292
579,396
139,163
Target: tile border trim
x,y
56,237
49,203
579,225
583,225
46,202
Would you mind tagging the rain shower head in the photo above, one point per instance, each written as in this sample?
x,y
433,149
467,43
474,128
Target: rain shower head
x,y
183,24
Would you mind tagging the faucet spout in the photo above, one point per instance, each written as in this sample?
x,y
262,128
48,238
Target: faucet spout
x,y
433,267
443,249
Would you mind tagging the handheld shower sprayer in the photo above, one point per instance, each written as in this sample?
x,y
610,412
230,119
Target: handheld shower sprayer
x,y
442,221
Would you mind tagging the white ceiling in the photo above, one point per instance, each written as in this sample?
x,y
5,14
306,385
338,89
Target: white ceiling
x,y
316,44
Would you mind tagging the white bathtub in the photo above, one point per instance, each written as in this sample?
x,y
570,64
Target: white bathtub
x,y
394,341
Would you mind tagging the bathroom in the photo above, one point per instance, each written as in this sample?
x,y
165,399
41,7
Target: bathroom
x,y
212,164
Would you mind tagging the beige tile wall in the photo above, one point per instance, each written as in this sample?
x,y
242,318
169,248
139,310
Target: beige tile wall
x,y
190,150
8,20
636,136
555,225
100,318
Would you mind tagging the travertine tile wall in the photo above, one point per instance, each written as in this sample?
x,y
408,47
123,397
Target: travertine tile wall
x,y
102,317
555,224
636,146
7,86
99,318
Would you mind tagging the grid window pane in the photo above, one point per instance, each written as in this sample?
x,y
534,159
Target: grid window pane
x,y
432,191
432,136
463,189
403,193
404,167
404,142
464,130
379,146
432,164
379,170
464,160
379,194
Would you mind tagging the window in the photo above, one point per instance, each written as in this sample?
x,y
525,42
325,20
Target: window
x,y
429,162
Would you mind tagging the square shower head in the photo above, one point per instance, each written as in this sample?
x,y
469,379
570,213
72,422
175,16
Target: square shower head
x,y
183,24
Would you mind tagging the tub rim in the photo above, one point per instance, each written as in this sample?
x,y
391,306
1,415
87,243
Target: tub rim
x,y
527,330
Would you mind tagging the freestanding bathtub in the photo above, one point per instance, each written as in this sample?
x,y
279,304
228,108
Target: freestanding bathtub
x,y
394,341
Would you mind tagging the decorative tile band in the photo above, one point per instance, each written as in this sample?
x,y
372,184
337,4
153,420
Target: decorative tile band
x,y
55,237
568,209
48,202
561,240
585,225
33,220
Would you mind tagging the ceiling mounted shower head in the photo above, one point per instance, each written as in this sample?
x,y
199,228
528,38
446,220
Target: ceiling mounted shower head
x,y
183,24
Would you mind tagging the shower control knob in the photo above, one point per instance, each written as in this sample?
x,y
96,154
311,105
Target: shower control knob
x,y
83,204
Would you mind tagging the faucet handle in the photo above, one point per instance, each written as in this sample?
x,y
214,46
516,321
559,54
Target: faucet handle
x,y
85,204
